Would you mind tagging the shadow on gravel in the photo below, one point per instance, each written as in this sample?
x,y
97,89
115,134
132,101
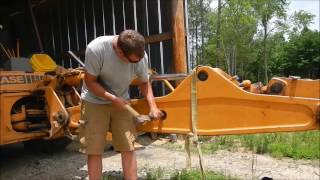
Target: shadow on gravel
x,y
117,175
53,160
60,160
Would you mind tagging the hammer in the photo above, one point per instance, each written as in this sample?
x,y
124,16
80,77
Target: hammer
x,y
138,118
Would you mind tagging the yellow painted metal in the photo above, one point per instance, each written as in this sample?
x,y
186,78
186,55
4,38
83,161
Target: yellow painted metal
x,y
18,81
169,85
7,133
16,85
42,63
307,88
58,115
225,108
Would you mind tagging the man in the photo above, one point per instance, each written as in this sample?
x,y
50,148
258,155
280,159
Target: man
x,y
112,62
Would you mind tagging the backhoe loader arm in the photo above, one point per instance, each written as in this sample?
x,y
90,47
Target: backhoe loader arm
x,y
225,108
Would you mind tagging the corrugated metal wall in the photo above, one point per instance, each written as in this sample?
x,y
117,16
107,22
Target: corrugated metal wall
x,y
71,24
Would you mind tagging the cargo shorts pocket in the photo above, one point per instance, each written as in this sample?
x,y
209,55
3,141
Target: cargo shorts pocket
x,y
123,131
82,134
82,129
93,127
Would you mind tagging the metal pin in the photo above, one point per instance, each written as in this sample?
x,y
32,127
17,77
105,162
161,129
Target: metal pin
x,y
161,45
68,33
103,18
135,15
60,34
94,21
76,26
148,32
85,22
52,33
124,16
160,31
113,18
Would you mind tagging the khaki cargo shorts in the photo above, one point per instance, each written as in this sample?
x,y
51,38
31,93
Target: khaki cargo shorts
x,y
96,120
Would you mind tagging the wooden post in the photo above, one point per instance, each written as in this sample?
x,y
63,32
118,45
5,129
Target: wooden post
x,y
178,37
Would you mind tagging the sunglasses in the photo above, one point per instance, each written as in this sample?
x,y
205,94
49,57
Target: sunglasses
x,y
130,60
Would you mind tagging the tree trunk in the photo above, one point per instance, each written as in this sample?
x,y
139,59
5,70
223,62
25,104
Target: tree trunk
x,y
196,53
234,52
243,75
196,32
178,37
218,34
202,32
265,26
224,64
229,60
192,47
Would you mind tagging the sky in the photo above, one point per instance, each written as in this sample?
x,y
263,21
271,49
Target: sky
x,y
311,6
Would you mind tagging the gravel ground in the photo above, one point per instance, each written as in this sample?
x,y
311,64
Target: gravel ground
x,y
16,163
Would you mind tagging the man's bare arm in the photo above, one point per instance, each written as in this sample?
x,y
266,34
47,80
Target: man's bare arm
x,y
147,93
94,87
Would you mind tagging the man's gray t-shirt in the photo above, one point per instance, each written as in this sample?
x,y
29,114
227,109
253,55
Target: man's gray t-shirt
x,y
101,61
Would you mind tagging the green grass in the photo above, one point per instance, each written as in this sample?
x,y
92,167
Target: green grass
x,y
185,174
162,173
298,145
158,173
301,145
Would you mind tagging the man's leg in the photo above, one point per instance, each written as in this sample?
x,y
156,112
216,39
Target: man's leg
x,y
129,165
95,167
94,124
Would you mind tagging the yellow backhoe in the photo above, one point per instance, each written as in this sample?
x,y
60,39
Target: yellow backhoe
x,y
46,106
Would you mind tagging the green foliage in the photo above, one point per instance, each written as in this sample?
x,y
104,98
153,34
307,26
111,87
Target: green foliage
x,y
199,29
154,174
216,143
301,20
238,26
185,174
208,144
302,55
196,174
297,146
163,173
299,56
267,9
300,145
254,46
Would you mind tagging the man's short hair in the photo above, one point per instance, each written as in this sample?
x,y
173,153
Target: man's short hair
x,y
131,42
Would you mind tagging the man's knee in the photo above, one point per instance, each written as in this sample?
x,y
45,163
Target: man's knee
x,y
127,153
94,157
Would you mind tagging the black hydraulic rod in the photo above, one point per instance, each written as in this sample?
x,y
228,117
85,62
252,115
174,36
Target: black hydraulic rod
x,y
76,58
34,22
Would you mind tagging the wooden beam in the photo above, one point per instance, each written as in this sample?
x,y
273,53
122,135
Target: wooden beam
x,y
149,40
178,39
158,37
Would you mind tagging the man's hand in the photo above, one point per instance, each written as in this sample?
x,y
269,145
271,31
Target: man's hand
x,y
155,113
146,90
119,102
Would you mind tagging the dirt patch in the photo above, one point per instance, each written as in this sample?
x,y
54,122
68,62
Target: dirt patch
x,y
16,163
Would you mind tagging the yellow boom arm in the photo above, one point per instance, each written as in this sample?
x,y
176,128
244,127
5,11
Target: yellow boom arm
x,y
225,108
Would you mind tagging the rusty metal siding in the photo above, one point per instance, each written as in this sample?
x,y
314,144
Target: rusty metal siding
x,y
71,24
